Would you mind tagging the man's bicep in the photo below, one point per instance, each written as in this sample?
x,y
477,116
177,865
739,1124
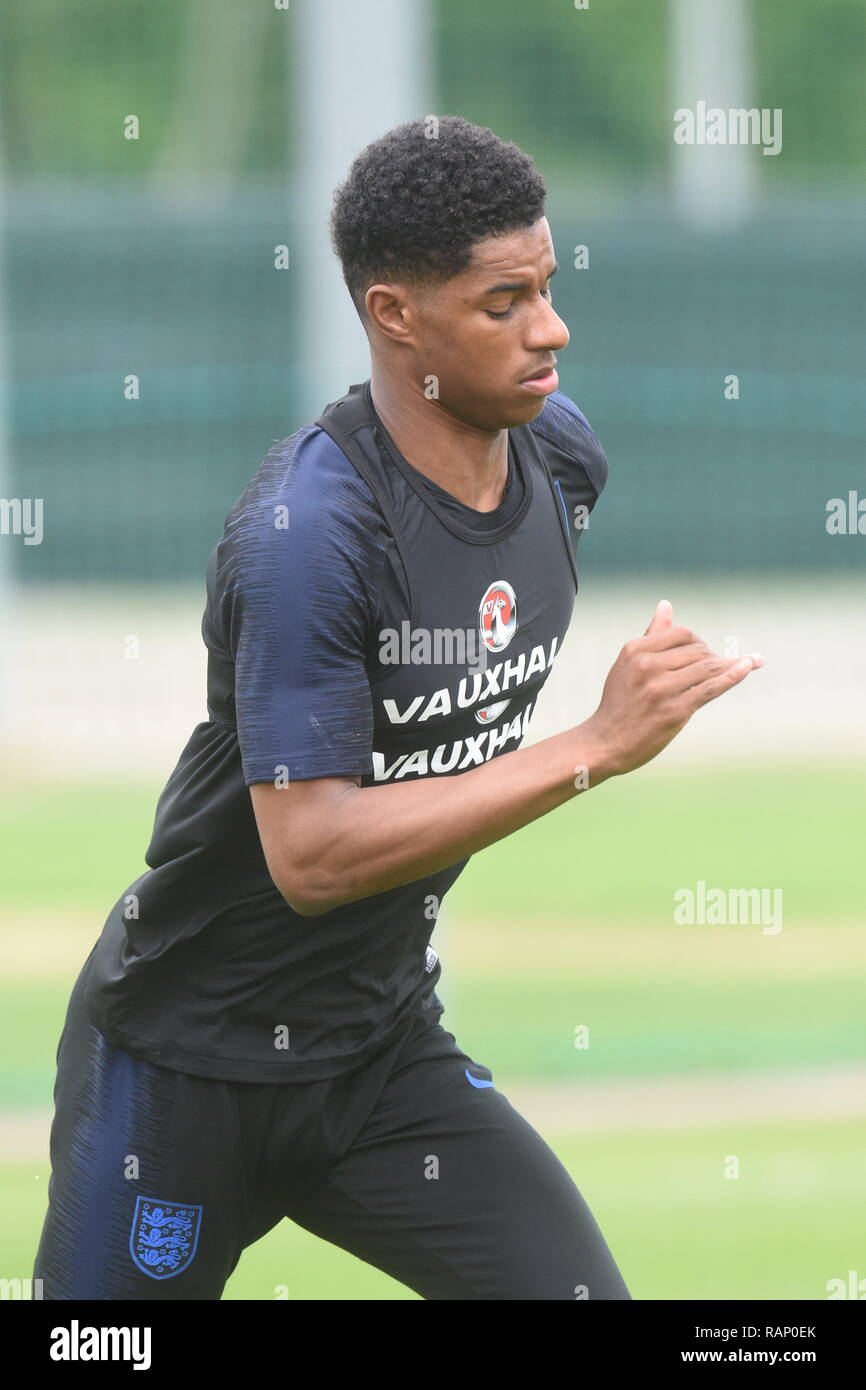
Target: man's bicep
x,y
295,824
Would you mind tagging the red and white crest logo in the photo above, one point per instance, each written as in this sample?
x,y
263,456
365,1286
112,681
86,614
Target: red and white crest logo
x,y
497,615
492,712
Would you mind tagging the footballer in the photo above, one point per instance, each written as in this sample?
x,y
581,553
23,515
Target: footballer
x,y
256,1034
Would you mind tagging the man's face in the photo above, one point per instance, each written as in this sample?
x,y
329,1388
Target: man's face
x,y
490,334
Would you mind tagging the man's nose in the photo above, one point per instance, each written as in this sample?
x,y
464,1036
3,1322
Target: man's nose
x,y
548,330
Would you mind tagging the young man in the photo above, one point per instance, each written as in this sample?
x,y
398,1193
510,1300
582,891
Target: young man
x,y
256,1034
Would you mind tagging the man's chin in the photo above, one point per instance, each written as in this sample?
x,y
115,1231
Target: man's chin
x,y
501,413
522,413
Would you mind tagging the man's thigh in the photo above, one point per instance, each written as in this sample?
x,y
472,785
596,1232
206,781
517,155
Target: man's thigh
x,y
450,1190
149,1195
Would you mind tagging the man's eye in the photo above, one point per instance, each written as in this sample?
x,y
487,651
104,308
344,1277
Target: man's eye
x,y
546,293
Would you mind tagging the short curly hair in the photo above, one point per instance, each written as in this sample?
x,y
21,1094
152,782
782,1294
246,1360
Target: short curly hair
x,y
415,200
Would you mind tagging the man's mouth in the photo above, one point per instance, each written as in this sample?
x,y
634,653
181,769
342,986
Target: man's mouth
x,y
543,381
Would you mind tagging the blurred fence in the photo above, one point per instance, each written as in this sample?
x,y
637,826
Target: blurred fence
x,y
154,258
188,300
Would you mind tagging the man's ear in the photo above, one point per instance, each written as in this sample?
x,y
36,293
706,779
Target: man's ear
x,y
390,309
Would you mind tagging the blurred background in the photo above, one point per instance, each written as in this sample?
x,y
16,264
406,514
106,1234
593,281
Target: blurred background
x,y
169,306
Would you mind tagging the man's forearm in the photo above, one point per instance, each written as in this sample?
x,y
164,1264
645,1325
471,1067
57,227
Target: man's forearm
x,y
366,840
384,837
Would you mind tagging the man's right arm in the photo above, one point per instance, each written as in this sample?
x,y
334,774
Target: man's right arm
x,y
328,841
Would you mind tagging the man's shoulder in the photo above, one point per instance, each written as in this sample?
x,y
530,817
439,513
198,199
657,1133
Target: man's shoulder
x,y
563,424
305,518
308,474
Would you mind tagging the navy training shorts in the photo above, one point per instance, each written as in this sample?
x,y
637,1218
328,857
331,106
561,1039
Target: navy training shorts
x,y
413,1161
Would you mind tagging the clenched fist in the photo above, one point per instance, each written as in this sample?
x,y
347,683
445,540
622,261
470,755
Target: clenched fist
x,y
654,687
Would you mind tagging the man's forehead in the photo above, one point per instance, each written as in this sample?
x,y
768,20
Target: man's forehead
x,y
516,250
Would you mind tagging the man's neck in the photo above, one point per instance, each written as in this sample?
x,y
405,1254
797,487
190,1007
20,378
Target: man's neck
x,y
470,464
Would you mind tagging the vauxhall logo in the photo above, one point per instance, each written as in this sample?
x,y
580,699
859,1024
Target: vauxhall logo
x,y
471,751
497,616
497,624
475,689
446,646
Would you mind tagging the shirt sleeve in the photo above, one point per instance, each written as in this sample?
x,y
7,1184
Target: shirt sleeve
x,y
302,564
574,455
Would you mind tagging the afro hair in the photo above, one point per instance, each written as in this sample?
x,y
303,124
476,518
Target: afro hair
x,y
415,200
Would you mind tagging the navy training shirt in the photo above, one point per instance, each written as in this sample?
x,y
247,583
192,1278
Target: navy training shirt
x,y
360,621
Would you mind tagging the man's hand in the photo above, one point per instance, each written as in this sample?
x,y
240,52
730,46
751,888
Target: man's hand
x,y
653,689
